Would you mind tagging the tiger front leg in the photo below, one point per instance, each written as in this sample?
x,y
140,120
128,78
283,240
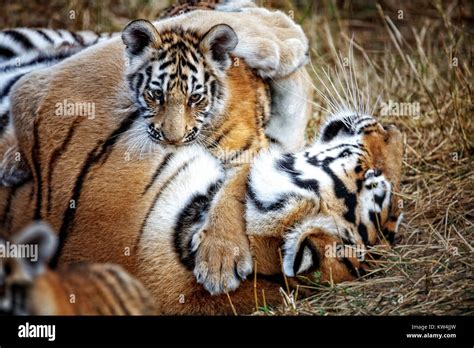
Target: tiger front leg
x,y
222,251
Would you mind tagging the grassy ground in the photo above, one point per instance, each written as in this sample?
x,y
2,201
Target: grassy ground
x,y
415,55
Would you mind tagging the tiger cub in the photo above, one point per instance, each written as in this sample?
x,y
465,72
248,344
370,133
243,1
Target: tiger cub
x,y
179,82
28,287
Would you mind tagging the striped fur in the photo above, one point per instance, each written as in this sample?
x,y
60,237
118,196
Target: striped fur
x,y
28,287
23,50
168,213
163,203
18,42
338,191
183,6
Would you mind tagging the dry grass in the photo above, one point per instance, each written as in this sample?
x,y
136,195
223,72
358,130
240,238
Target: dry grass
x,y
425,58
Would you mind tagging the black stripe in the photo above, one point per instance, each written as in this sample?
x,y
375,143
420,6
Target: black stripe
x,y
273,140
35,154
341,192
100,297
161,55
350,267
55,156
315,255
379,199
4,121
315,162
44,35
101,150
158,171
9,85
340,189
6,52
138,84
77,38
362,230
362,119
158,194
299,256
389,235
334,128
20,38
191,217
114,289
266,207
164,65
376,219
287,164
43,58
5,220
128,286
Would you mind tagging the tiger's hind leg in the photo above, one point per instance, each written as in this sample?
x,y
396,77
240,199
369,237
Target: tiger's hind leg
x,y
13,169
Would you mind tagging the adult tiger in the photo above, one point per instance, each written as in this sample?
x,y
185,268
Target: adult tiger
x,y
80,165
340,191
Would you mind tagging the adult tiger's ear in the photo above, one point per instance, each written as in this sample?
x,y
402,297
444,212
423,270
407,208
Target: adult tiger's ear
x,y
139,37
217,43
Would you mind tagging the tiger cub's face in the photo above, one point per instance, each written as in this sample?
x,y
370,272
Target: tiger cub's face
x,y
177,78
364,159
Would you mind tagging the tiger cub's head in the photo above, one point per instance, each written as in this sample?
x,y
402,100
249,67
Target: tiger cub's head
x,y
364,160
177,78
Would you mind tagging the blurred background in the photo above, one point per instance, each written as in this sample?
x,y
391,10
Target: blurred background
x,y
414,53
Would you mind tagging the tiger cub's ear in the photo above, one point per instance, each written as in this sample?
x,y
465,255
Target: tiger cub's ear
x,y
139,37
41,238
217,43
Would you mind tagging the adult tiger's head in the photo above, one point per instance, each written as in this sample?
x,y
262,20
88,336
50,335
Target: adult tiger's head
x,y
364,160
177,78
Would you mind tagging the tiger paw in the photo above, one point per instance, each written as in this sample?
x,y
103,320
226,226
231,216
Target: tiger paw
x,y
221,262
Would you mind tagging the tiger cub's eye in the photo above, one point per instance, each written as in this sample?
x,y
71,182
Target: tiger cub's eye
x,y
194,98
155,94
158,94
